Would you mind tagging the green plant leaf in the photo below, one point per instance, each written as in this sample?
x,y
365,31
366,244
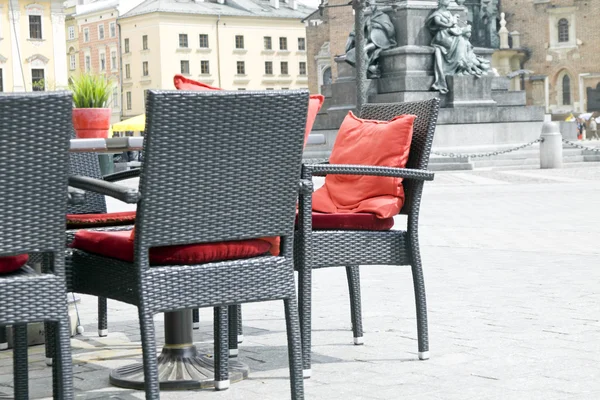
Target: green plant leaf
x,y
90,91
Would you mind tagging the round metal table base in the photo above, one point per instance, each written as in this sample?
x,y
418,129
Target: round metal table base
x,y
178,369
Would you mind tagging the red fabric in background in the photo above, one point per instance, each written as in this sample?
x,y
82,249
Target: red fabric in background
x,y
12,263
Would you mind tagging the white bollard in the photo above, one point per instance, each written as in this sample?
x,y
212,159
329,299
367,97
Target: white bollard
x,y
551,148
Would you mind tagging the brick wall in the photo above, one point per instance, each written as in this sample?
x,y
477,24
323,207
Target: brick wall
x,y
534,22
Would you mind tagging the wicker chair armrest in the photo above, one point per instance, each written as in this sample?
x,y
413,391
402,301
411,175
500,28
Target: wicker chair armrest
x,y
125,194
76,196
306,186
122,175
344,169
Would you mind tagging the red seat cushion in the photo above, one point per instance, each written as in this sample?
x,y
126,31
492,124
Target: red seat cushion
x,y
12,263
350,222
118,245
77,221
367,142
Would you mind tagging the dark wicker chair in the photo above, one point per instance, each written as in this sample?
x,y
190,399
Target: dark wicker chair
x,y
239,180
33,202
328,248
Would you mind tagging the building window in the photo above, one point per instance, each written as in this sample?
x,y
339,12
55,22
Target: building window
x,y
282,43
37,80
239,42
1,80
302,67
145,68
185,67
268,67
204,67
301,44
128,99
126,45
183,42
113,60
284,68
203,41
127,71
86,35
72,64
102,62
71,32
35,26
88,63
241,88
566,90
101,32
145,42
241,68
270,88
113,29
115,97
268,43
563,30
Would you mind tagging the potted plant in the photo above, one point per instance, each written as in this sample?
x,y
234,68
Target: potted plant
x,y
91,117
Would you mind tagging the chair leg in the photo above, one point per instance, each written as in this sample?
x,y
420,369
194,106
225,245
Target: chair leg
x,y
240,330
50,333
221,333
3,338
196,318
305,293
294,348
233,331
20,365
102,317
62,368
421,306
353,275
149,355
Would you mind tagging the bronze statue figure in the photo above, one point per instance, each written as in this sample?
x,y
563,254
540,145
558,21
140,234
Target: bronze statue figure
x,y
380,35
454,53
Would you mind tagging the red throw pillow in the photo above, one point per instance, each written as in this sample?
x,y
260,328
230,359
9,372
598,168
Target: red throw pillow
x,y
314,103
183,83
12,263
366,142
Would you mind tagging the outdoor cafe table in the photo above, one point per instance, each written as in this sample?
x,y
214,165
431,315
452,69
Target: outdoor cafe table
x,y
180,365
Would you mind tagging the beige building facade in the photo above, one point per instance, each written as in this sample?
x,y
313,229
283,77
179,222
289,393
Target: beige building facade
x,y
33,46
233,45
560,40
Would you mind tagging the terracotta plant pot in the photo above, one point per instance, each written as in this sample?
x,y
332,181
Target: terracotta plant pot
x,y
91,122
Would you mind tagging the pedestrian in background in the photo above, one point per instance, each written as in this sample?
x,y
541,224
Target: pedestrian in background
x,y
594,128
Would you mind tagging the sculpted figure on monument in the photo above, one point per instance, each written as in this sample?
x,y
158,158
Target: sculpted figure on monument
x,y
380,35
453,50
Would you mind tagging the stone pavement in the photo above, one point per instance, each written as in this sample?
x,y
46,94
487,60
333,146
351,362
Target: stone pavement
x,y
511,270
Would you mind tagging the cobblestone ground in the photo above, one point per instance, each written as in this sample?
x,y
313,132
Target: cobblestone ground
x,y
512,276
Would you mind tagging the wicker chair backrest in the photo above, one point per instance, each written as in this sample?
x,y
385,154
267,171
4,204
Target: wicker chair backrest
x,y
423,131
220,166
87,164
33,171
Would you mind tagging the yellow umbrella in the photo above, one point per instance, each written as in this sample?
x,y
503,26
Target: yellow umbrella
x,y
132,124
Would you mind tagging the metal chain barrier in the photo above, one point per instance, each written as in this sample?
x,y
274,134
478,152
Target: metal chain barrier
x,y
573,144
493,153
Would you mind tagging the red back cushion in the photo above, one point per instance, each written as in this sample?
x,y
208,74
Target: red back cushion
x,y
366,142
314,103
12,263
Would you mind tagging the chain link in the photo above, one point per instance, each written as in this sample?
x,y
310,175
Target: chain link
x,y
491,154
573,144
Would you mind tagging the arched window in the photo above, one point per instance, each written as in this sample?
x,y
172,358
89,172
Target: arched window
x,y
327,77
563,30
566,90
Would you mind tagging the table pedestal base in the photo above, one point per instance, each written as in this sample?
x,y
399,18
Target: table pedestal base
x,y
180,367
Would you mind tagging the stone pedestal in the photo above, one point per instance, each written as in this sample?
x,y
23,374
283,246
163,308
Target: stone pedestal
x,y
469,91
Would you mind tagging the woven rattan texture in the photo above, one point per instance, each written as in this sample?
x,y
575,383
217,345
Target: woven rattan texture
x,y
86,164
349,249
33,201
204,132
240,180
